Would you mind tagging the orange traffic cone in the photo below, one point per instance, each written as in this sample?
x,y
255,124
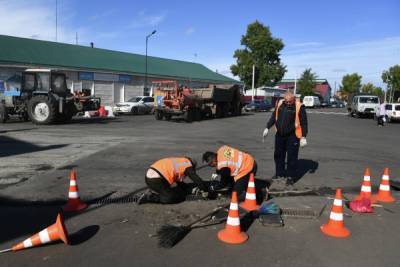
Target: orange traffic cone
x,y
52,233
250,202
102,112
232,233
335,226
366,187
384,194
74,202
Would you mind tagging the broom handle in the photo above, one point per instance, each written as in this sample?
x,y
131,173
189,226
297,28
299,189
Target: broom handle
x,y
5,250
205,216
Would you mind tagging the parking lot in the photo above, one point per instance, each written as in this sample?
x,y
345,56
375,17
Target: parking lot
x,y
112,155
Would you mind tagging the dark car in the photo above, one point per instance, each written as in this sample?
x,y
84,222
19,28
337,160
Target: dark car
x,y
258,105
337,104
324,104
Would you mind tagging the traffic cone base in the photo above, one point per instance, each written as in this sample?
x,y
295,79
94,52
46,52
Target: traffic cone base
x,y
52,233
225,236
74,205
250,202
341,232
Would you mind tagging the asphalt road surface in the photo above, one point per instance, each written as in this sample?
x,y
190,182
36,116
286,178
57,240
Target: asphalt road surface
x,y
111,157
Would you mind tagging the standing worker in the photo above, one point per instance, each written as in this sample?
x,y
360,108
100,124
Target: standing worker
x,y
165,180
381,115
234,167
290,121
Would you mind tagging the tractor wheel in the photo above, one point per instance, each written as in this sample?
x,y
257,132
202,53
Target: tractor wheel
x,y
219,111
167,117
197,114
3,114
207,113
42,110
159,115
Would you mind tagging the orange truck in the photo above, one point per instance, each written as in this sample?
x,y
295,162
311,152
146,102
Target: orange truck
x,y
219,101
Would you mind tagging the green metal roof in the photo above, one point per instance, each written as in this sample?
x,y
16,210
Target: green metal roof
x,y
15,50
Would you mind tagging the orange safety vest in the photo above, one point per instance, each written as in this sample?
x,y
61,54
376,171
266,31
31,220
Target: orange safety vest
x,y
172,168
297,125
238,162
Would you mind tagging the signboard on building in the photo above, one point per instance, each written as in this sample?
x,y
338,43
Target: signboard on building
x,y
106,77
125,78
2,86
88,76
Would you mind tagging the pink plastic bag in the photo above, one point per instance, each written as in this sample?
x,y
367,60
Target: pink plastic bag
x,y
362,206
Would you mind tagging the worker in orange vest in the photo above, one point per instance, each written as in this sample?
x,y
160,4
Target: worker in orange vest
x,y
165,181
234,168
290,122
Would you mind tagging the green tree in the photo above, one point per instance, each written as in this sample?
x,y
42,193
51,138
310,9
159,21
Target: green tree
x,y
392,78
262,50
369,88
306,83
351,84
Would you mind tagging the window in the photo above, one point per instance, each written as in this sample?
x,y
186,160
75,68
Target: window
x,y
29,82
397,107
371,100
58,83
388,107
148,99
135,99
43,81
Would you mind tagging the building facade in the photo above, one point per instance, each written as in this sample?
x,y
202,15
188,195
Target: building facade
x,y
111,75
322,87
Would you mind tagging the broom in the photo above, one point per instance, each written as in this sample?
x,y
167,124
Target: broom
x,y
169,235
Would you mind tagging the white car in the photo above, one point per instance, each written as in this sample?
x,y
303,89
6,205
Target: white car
x,y
392,111
135,105
311,102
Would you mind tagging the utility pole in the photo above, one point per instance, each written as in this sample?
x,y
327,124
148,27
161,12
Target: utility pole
x,y
76,38
252,83
295,82
147,41
56,20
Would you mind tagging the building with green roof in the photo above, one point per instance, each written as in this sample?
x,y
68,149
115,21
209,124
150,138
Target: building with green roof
x,y
114,76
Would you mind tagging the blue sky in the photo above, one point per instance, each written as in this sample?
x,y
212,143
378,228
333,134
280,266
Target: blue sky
x,y
332,37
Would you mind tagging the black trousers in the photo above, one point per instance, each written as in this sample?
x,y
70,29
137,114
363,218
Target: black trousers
x,y
240,186
168,194
286,145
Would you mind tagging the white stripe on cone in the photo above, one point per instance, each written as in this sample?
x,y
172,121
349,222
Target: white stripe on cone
x,y
385,177
384,187
338,202
234,206
367,178
73,195
233,221
251,184
365,188
44,236
250,196
72,183
28,243
336,216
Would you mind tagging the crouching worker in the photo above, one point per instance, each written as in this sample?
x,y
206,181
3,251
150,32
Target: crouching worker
x,y
165,180
234,168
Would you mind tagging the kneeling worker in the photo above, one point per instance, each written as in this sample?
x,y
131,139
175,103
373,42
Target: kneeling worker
x,y
165,177
234,167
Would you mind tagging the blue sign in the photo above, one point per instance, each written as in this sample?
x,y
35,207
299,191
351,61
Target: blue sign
x,y
125,78
89,76
12,93
2,86
160,100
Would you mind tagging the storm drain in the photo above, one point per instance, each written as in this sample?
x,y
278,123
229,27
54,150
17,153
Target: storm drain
x,y
299,213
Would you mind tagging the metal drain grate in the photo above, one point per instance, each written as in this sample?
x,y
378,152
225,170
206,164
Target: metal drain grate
x,y
299,213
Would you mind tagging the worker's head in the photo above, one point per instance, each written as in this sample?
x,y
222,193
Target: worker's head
x,y
210,158
289,98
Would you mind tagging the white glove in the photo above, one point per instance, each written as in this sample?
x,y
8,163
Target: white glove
x,y
214,177
265,133
303,142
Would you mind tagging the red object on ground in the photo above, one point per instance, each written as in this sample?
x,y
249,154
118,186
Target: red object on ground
x,y
361,206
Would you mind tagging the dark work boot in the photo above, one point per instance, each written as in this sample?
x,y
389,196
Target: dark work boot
x,y
148,197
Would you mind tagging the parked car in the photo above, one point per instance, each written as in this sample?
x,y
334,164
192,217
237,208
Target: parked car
x,y
392,112
311,102
325,104
363,104
337,104
135,105
258,105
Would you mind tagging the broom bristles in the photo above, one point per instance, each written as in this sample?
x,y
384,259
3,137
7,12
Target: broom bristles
x,y
170,235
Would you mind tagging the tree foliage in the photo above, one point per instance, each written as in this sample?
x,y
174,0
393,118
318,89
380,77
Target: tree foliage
x,y
369,88
262,50
306,83
351,84
392,78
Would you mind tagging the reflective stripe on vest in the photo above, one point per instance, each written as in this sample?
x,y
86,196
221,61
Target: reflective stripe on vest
x,y
177,165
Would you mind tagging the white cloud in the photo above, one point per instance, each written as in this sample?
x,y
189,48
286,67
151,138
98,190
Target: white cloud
x,y
368,58
148,20
33,20
306,44
190,31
